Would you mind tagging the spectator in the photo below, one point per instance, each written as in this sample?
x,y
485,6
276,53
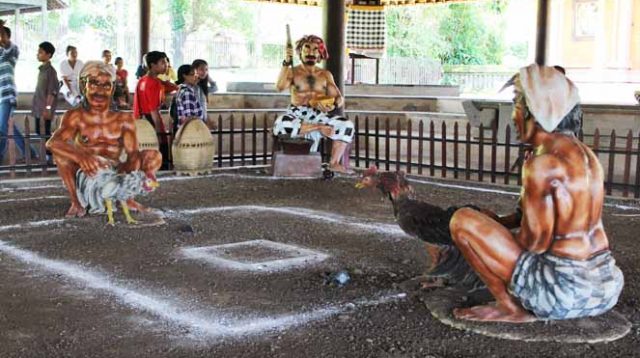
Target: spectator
x,y
186,104
170,75
70,71
8,57
141,70
204,81
106,57
149,96
121,94
44,98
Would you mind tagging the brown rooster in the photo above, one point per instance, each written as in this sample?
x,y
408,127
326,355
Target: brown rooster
x,y
429,223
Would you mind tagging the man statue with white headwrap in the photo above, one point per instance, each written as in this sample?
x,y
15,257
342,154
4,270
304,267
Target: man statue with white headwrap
x,y
558,265
91,138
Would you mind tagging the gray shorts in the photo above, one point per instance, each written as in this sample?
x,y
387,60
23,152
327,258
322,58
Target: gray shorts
x,y
290,123
555,287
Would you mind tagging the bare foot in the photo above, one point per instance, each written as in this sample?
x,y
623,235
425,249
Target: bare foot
x,y
494,313
135,206
75,211
340,169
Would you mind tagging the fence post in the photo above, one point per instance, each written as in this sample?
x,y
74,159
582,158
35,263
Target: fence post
x,y
612,158
432,148
481,154
420,146
243,128
443,154
409,140
507,154
377,143
219,141
627,163
366,142
398,142
387,144
357,140
27,144
455,150
254,139
467,174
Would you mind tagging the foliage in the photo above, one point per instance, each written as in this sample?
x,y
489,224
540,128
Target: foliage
x,y
469,33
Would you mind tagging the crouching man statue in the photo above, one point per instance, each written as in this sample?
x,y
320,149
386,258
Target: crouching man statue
x,y
558,265
313,95
91,137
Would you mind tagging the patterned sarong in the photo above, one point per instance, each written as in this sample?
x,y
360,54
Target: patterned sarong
x,y
555,287
291,122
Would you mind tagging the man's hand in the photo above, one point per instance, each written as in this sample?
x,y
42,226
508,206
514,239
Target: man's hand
x,y
90,164
325,108
288,54
326,131
46,115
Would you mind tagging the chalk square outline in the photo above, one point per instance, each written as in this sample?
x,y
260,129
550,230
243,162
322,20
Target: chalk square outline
x,y
212,255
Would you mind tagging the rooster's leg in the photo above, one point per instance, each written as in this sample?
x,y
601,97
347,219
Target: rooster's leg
x,y
435,254
109,205
127,213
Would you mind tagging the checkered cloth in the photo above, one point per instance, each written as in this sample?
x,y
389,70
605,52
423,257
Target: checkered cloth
x,y
366,30
555,287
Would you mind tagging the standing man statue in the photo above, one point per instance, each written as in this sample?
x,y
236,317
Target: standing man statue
x,y
558,265
313,95
91,137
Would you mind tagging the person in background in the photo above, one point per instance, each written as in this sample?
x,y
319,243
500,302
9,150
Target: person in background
x,y
205,86
141,70
70,70
121,94
44,98
106,57
170,75
149,97
8,57
186,104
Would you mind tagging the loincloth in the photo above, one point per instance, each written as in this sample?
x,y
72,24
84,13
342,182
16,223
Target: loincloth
x,y
291,122
554,287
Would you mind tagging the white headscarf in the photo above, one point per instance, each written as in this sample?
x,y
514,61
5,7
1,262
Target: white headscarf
x,y
550,95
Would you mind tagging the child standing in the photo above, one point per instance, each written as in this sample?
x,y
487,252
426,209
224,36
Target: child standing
x,y
44,98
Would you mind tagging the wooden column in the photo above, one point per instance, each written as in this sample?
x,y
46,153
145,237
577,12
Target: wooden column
x,y
334,36
541,38
145,26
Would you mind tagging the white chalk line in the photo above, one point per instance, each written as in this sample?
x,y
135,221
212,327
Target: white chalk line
x,y
34,198
201,324
213,255
503,192
317,215
32,224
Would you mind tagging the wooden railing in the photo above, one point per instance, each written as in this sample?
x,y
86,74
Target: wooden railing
x,y
436,148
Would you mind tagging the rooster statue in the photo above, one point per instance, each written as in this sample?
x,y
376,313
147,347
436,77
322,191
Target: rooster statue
x,y
99,192
426,222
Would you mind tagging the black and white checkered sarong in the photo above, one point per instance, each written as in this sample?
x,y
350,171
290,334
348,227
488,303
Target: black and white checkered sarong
x,y
555,287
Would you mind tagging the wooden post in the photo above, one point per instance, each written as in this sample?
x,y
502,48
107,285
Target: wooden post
x,y
541,35
145,26
334,36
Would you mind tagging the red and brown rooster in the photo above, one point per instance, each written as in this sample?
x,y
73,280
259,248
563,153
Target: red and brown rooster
x,y
427,222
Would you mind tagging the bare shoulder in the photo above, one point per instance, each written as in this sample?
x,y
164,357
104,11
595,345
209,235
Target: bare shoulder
x,y
126,119
72,116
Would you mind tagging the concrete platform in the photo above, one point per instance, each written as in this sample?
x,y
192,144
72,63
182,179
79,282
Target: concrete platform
x,y
297,166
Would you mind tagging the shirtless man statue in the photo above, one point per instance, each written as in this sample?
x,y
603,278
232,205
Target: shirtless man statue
x,y
313,95
91,137
558,265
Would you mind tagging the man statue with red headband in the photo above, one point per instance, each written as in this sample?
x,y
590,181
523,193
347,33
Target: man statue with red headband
x,y
91,137
313,95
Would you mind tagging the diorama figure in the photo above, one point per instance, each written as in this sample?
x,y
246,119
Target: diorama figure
x,y
91,138
313,95
558,265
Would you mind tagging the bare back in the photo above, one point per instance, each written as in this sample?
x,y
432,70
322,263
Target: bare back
x,y
575,186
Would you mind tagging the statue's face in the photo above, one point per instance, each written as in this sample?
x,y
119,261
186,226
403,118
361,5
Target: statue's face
x,y
310,53
98,91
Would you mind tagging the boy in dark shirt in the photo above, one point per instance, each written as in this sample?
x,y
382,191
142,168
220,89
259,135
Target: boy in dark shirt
x,y
44,98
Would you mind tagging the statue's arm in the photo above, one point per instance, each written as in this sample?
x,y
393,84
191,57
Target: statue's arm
x,y
538,209
61,142
333,90
285,78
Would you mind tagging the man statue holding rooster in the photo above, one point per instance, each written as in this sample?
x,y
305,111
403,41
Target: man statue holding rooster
x,y
558,264
91,138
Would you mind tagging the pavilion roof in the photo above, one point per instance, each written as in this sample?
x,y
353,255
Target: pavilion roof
x,y
382,2
8,7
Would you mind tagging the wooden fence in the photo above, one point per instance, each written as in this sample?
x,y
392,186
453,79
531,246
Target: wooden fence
x,y
449,149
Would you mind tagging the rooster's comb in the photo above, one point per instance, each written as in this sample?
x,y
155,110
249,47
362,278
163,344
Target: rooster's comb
x,y
373,170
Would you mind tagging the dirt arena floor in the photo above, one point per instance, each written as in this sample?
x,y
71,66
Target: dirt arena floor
x,y
240,269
